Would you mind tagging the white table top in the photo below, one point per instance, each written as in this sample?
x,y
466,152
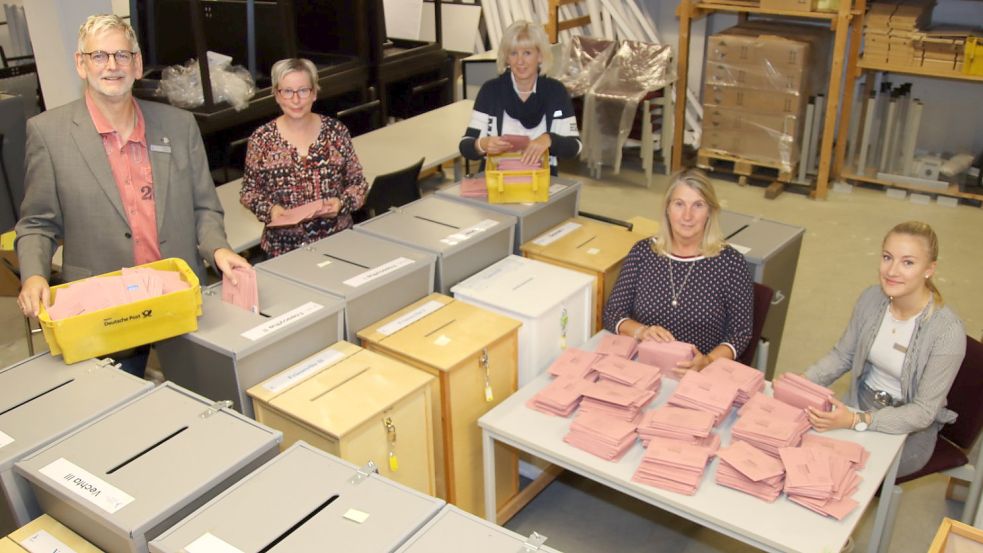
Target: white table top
x,y
778,526
242,228
433,135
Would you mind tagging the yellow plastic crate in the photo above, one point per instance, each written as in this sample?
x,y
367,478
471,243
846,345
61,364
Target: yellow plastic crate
x,y
125,326
501,192
973,59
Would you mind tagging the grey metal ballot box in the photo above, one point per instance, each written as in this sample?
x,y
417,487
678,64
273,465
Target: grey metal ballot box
x,y
305,500
772,252
731,223
235,349
465,238
375,277
123,479
531,219
454,531
41,400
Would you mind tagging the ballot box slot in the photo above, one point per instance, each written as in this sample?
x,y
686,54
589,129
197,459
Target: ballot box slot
x,y
297,526
343,260
436,222
152,447
360,372
736,232
441,327
585,242
262,314
38,396
523,283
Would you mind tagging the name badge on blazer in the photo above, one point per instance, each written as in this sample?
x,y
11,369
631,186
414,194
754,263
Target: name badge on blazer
x,y
162,148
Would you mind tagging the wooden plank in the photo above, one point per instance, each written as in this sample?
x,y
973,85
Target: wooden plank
x,y
952,192
833,101
685,12
852,72
920,71
527,494
774,190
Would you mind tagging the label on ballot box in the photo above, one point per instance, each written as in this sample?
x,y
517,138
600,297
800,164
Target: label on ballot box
x,y
208,543
410,318
302,370
555,234
5,439
378,272
276,323
86,485
43,542
469,232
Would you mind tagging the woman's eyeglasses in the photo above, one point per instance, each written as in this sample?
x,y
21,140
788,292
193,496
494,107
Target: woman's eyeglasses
x,y
289,93
100,57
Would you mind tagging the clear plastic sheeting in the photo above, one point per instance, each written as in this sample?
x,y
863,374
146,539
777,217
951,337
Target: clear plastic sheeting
x,y
581,63
181,84
767,139
637,69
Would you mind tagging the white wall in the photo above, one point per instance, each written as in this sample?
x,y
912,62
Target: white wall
x,y
953,116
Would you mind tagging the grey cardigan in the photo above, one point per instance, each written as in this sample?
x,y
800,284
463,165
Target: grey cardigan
x,y
936,350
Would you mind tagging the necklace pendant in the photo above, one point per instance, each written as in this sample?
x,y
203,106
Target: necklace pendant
x,y
675,303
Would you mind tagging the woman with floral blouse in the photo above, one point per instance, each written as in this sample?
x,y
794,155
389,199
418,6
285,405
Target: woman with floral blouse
x,y
298,158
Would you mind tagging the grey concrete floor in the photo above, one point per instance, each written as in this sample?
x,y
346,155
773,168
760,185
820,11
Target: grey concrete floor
x,y
839,259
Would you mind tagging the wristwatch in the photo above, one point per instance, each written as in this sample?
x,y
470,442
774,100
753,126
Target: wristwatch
x,y
860,423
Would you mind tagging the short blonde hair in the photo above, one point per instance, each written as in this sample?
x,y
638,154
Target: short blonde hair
x,y
523,34
713,237
283,67
97,24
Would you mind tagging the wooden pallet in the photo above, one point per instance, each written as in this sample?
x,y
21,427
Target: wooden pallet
x,y
717,161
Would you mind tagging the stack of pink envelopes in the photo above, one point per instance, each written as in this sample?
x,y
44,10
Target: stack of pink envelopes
x,y
629,373
93,294
820,480
688,425
474,188
852,451
767,432
245,292
516,164
561,397
748,380
771,407
798,391
301,213
750,470
665,355
575,362
518,142
598,434
673,465
615,400
706,393
620,346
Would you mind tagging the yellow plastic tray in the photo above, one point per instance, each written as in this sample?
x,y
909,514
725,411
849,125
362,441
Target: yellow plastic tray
x,y
125,326
501,192
973,58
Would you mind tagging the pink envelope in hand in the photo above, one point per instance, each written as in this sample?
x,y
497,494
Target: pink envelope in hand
x,y
621,346
244,293
518,142
664,355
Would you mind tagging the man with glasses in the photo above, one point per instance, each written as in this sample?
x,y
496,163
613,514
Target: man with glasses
x,y
121,181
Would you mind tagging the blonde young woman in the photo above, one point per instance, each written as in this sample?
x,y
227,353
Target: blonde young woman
x,y
902,348
686,283
522,101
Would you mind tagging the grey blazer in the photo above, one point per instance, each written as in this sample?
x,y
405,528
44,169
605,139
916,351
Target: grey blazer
x,y
71,195
934,355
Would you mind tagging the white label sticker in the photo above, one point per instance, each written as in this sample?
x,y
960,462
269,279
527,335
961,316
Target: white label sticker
x,y
469,232
406,320
555,234
355,515
380,271
208,543
554,188
43,542
300,371
5,439
740,248
324,264
276,323
442,340
593,251
85,485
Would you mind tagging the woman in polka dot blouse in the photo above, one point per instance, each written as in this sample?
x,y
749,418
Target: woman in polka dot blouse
x,y
685,283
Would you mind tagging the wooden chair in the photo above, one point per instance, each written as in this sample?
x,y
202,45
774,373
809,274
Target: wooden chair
x,y
554,25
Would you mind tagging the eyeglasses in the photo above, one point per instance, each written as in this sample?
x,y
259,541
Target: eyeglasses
x,y
301,93
101,57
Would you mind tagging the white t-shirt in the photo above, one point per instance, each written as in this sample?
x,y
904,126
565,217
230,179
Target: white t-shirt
x,y
888,352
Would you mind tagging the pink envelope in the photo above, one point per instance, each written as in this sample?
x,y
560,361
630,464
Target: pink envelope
x,y
748,380
244,293
851,451
798,391
620,346
628,372
750,461
574,362
769,406
474,188
664,355
518,142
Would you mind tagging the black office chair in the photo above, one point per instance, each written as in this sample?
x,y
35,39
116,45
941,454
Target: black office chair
x,y
22,80
233,162
391,190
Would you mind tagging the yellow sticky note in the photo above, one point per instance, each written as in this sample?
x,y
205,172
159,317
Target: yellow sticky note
x,y
7,240
355,515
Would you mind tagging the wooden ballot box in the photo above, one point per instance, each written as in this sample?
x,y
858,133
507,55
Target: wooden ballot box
x,y
47,534
453,530
358,405
588,246
304,500
474,354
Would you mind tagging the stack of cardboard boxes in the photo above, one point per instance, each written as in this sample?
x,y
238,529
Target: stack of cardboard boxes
x,y
894,35
759,77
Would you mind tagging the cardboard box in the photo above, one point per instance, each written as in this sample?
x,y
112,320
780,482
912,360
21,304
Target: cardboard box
x,y
761,101
761,148
715,117
45,531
